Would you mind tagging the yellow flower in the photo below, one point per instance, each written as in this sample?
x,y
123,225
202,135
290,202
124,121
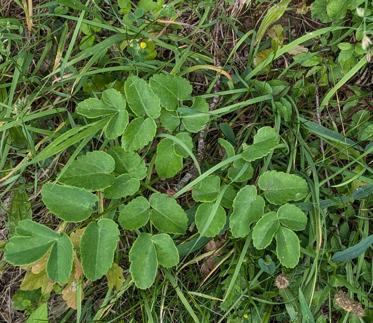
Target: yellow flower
x,y
143,45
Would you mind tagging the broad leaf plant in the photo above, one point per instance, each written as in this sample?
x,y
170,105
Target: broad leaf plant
x,y
102,195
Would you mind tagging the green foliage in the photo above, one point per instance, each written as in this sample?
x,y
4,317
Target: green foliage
x,y
20,209
248,208
136,135
279,187
265,141
97,247
167,215
69,203
32,241
91,171
135,214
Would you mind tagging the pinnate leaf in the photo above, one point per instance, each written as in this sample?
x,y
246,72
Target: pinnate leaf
x,y
32,241
112,107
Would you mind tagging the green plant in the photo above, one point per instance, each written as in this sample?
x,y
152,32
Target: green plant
x,y
213,168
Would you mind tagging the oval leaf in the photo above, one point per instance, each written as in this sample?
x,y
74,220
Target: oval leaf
x,y
247,208
167,215
280,187
141,98
287,247
71,204
167,253
167,162
170,89
123,186
143,260
265,141
60,262
264,230
135,214
97,247
292,217
128,162
210,219
196,117
91,171
207,190
139,133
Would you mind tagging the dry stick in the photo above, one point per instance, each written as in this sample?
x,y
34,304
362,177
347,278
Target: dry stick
x,y
201,147
319,122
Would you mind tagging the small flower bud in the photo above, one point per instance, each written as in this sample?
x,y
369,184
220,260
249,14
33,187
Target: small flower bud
x,y
366,42
281,281
360,11
349,305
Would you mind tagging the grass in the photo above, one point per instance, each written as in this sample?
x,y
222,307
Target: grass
x,y
49,63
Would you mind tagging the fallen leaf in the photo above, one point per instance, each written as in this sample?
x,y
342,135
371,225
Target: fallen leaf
x,y
115,277
298,50
69,294
33,281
